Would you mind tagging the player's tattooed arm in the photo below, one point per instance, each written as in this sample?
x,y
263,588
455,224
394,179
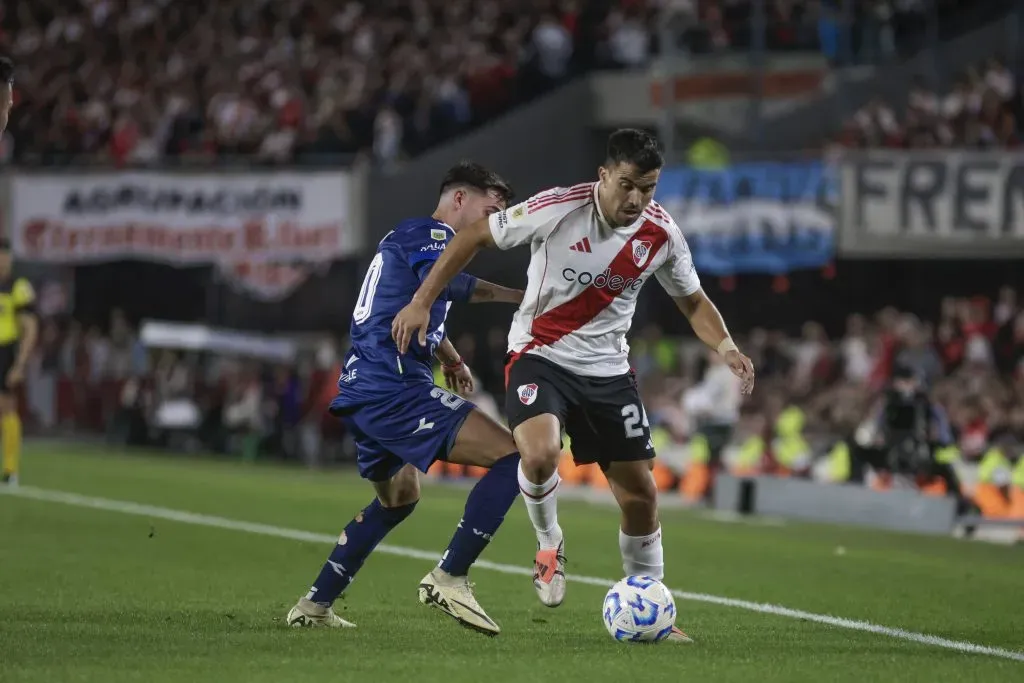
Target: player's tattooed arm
x,y
488,291
709,326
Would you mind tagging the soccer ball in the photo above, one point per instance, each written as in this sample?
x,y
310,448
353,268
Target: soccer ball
x,y
639,609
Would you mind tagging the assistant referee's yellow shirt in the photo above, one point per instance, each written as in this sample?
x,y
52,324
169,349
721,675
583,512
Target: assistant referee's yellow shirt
x,y
16,295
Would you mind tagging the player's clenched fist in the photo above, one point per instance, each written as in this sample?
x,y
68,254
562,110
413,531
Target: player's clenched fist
x,y
414,317
743,368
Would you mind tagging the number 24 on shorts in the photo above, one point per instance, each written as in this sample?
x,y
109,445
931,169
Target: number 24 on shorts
x,y
634,420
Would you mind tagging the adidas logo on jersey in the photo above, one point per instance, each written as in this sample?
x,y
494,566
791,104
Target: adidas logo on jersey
x,y
583,246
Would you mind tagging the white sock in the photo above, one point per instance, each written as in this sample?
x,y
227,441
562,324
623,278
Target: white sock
x,y
542,507
643,555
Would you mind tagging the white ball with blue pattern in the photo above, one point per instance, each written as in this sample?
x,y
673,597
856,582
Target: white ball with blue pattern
x,y
639,609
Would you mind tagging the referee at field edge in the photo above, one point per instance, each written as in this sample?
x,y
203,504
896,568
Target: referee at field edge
x,y
18,325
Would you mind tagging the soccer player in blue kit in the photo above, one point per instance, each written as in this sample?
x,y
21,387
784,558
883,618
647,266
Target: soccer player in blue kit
x,y
402,422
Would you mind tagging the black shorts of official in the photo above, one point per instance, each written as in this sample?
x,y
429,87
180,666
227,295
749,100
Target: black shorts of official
x,y
603,416
8,354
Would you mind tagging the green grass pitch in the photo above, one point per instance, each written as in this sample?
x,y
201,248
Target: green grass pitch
x,y
90,594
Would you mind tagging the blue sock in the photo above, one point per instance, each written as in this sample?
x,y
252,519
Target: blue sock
x,y
485,510
355,544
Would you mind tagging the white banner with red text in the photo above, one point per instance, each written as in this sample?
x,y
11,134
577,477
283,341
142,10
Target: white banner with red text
x,y
266,231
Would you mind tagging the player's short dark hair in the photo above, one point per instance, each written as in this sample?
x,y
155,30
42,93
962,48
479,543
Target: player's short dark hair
x,y
5,244
478,177
632,146
6,70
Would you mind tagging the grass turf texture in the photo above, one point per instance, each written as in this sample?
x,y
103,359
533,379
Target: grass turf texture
x,y
92,595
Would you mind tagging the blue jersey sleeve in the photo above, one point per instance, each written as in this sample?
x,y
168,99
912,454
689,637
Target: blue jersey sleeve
x,y
460,289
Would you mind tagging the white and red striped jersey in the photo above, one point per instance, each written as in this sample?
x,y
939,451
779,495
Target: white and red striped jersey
x,y
584,276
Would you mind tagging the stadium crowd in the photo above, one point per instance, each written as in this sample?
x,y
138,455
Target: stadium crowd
x,y
981,111
971,357
152,81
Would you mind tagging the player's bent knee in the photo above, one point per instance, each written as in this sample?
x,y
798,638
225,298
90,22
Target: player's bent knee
x,y
544,457
401,490
540,443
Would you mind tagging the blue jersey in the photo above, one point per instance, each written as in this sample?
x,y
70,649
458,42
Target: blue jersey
x,y
403,259
388,400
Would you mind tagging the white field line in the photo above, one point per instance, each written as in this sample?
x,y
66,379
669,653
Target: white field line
x,y
432,556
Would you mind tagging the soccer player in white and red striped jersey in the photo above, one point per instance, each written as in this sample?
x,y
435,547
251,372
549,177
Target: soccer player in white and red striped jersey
x,y
593,246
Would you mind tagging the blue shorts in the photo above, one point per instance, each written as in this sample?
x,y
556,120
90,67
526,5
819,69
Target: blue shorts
x,y
410,423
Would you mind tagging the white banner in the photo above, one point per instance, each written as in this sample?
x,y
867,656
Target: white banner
x,y
923,204
265,231
185,219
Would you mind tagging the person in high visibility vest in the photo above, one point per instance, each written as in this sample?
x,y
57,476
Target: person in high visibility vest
x,y
696,482
839,462
995,475
707,154
745,455
790,448
1016,510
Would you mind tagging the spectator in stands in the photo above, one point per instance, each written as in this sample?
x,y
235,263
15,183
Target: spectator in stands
x,y
980,111
1000,79
1006,306
856,351
995,125
876,124
879,39
917,351
244,413
810,356
629,39
714,404
41,386
552,44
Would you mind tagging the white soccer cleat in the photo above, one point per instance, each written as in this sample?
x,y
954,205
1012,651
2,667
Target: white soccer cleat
x,y
677,636
549,575
453,595
308,614
10,480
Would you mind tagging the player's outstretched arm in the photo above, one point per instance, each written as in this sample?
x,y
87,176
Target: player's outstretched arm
x,y
710,328
488,291
415,317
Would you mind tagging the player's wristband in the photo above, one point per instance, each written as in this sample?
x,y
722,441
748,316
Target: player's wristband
x,y
453,366
726,346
